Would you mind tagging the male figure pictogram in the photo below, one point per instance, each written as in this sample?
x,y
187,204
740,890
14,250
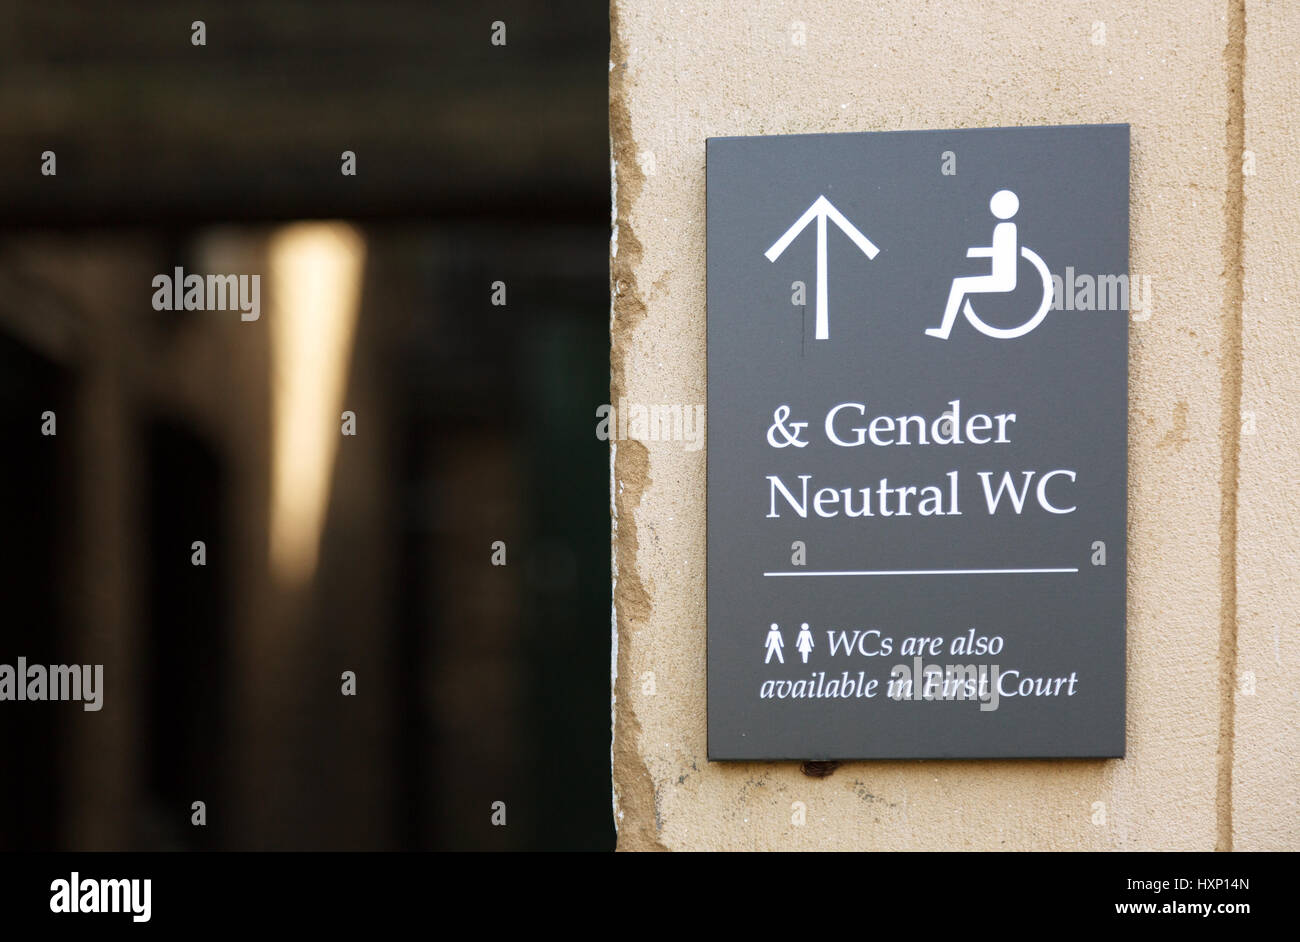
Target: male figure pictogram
x,y
774,645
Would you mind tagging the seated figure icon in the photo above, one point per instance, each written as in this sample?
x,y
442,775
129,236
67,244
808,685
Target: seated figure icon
x,y
1002,279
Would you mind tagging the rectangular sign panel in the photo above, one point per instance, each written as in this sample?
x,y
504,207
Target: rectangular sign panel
x,y
917,445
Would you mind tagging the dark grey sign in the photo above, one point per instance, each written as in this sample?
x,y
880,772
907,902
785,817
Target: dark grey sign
x,y
917,444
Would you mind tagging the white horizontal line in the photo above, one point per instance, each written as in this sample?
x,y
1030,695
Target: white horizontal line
x,y
916,572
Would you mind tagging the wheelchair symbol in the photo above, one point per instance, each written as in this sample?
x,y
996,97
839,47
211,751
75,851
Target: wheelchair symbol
x,y
1000,280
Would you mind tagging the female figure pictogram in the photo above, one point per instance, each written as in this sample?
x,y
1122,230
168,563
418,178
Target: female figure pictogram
x,y
804,643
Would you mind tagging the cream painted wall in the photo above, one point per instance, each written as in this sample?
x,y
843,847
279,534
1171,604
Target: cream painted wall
x,y
1266,740
1214,530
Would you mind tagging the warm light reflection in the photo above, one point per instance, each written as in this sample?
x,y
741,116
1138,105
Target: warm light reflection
x,y
315,282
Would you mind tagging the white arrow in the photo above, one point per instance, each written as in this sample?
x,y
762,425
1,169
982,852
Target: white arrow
x,y
820,210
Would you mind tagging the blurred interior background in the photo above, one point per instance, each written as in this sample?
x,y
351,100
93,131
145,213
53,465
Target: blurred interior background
x,y
325,553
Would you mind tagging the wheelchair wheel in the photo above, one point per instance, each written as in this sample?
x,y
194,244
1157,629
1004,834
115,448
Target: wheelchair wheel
x,y
1007,333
